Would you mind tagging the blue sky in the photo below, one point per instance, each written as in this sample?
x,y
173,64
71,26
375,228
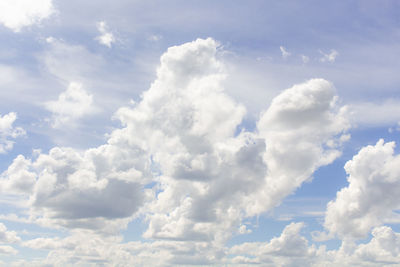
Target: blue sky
x,y
212,133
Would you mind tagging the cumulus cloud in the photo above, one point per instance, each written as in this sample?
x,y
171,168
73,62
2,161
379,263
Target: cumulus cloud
x,y
182,161
329,57
8,250
8,236
8,132
289,249
371,197
16,14
18,178
285,53
70,106
303,129
106,38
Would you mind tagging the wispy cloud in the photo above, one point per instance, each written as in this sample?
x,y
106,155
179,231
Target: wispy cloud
x,y
285,53
329,57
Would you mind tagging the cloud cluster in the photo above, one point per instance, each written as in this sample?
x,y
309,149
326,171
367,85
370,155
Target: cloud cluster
x,y
8,237
16,14
8,132
289,249
70,106
371,197
183,160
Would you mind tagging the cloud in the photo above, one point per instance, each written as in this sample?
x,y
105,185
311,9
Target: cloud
x,y
71,62
182,161
8,236
371,197
16,14
285,53
305,59
106,38
71,105
154,37
8,250
18,178
290,249
329,57
8,131
375,114
304,129
384,247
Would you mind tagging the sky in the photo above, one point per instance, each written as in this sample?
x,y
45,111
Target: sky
x,y
199,133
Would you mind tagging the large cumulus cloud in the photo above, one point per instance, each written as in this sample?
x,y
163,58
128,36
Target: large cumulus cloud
x,y
371,197
183,160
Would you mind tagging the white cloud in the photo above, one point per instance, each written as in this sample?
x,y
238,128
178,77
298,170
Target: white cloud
x,y
16,14
18,178
285,53
330,57
182,136
289,249
8,132
7,237
71,105
106,38
8,250
384,247
303,129
372,194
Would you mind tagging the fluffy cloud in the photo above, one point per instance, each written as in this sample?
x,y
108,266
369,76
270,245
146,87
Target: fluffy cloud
x,y
8,236
8,131
71,105
183,161
289,249
97,189
16,14
18,178
372,194
384,247
303,130
106,38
